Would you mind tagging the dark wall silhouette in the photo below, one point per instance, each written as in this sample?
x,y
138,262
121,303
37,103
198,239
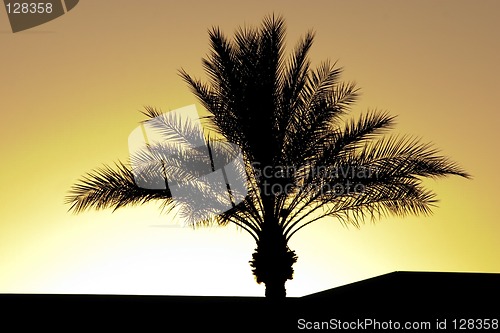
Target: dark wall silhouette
x,y
398,296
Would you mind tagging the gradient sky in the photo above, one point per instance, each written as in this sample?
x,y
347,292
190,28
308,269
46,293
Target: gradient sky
x,y
70,94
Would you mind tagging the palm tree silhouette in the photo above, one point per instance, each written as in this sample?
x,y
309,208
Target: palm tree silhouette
x,y
302,159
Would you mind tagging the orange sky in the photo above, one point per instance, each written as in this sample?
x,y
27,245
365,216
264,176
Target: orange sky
x,y
70,94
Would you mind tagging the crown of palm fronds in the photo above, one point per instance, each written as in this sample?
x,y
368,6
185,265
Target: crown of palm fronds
x,y
283,114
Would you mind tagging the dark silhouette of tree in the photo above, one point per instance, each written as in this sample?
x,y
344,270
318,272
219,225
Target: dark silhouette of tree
x,y
302,158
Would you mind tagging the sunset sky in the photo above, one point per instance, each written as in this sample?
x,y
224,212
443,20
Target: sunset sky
x,y
71,91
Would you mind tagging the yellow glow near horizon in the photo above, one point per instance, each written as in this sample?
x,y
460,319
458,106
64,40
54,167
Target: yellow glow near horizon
x,y
72,88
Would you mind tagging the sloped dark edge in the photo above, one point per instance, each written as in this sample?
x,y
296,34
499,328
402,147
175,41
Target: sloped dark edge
x,y
425,296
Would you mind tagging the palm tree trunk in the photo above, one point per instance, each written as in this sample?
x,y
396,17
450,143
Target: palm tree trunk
x,y
275,289
272,260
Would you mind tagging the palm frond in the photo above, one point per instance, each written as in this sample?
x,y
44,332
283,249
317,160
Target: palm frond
x,y
295,76
406,155
109,187
151,112
354,135
394,200
388,173
321,109
174,127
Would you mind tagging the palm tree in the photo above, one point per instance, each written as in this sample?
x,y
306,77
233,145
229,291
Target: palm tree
x,y
303,159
